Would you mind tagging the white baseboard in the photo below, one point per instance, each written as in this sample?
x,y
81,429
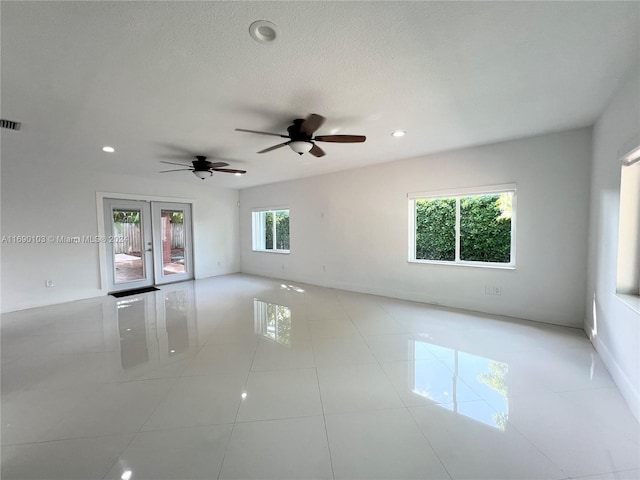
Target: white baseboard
x,y
623,383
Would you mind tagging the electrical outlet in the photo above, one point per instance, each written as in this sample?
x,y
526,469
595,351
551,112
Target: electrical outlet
x,y
49,283
324,268
497,290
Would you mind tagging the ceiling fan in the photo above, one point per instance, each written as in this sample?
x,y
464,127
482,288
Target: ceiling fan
x,y
301,139
202,168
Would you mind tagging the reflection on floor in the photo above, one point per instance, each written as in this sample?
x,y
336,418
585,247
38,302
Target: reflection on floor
x,y
488,378
244,377
272,321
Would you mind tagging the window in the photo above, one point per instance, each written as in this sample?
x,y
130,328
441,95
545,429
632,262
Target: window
x,y
628,271
473,226
271,230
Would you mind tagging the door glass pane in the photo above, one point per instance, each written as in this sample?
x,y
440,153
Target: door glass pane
x,y
173,238
127,255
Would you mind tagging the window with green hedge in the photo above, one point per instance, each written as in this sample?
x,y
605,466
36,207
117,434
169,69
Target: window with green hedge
x,y
471,226
271,230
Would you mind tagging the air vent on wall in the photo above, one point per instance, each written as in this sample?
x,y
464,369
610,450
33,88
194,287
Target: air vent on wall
x,y
10,124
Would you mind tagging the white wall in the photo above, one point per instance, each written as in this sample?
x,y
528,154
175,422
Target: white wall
x,y
613,325
54,201
354,224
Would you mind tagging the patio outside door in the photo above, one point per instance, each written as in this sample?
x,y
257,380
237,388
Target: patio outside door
x,y
148,243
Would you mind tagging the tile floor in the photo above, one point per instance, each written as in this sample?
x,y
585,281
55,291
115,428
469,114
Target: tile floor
x,y
242,377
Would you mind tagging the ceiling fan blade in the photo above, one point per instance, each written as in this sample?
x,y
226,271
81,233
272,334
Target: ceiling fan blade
x,y
316,151
261,133
340,138
275,147
228,170
173,163
176,170
312,123
216,164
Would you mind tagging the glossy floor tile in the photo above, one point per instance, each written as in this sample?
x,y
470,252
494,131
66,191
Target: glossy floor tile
x,y
381,444
478,449
194,401
280,394
355,388
77,459
289,448
189,453
243,377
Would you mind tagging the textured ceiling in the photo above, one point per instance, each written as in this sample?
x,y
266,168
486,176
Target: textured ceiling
x,y
154,79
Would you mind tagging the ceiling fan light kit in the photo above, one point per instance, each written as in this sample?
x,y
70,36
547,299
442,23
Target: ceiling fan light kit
x,y
202,174
300,147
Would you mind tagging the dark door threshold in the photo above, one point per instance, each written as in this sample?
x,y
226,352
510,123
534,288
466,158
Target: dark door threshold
x,y
135,291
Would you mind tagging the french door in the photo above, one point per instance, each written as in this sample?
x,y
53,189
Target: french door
x,y
148,243
172,257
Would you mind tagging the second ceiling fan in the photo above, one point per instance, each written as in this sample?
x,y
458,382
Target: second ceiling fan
x,y
301,139
202,168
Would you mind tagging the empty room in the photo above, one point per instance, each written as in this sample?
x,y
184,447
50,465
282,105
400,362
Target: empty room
x,y
320,240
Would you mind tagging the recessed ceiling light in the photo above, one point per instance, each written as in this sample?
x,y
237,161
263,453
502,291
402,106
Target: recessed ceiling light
x,y
398,133
108,149
263,31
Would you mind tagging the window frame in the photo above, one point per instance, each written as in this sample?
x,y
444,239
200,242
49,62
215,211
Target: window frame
x,y
457,194
628,243
258,229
